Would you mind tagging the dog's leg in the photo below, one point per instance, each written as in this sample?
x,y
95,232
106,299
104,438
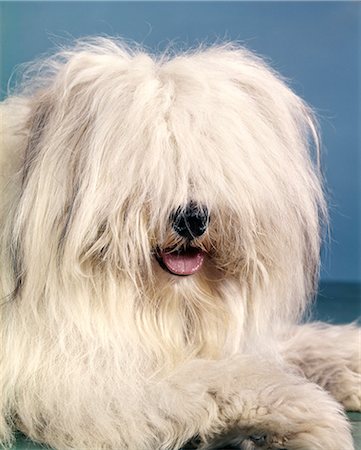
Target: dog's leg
x,y
330,356
255,405
245,401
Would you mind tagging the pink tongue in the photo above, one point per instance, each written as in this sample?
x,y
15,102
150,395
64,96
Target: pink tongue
x,y
183,263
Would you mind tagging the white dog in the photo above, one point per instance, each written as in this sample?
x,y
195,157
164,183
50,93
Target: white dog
x,y
160,235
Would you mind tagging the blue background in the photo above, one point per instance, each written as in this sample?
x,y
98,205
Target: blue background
x,y
315,44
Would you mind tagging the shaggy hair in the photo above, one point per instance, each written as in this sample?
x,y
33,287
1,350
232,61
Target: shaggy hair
x,y
103,348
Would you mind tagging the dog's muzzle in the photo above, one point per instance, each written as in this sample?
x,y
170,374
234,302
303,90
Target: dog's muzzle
x,y
189,223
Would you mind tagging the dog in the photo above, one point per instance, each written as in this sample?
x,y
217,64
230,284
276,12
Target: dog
x,y
161,222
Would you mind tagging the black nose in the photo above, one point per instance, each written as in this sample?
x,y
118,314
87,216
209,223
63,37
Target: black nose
x,y
190,222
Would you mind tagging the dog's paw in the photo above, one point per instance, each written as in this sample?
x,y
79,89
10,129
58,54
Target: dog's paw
x,y
347,389
307,432
302,418
341,375
305,438
347,386
303,425
330,356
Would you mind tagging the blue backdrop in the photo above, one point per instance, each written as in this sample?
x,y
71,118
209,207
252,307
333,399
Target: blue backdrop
x,y
315,44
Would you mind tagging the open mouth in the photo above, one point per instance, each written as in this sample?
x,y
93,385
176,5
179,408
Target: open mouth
x,y
181,262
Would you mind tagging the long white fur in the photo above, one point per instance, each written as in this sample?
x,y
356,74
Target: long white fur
x,y
100,348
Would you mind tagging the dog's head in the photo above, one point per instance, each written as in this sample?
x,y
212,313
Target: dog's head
x,y
186,176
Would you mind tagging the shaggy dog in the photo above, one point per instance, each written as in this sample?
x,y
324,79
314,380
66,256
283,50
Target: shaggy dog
x,y
160,235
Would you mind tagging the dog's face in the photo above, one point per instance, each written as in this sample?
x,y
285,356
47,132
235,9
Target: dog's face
x,y
185,257
187,176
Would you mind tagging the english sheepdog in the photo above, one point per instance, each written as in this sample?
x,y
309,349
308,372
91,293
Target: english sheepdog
x,y
161,219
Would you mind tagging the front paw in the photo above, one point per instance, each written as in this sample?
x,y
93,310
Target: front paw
x,y
294,416
312,422
309,438
339,370
344,379
329,355
347,390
